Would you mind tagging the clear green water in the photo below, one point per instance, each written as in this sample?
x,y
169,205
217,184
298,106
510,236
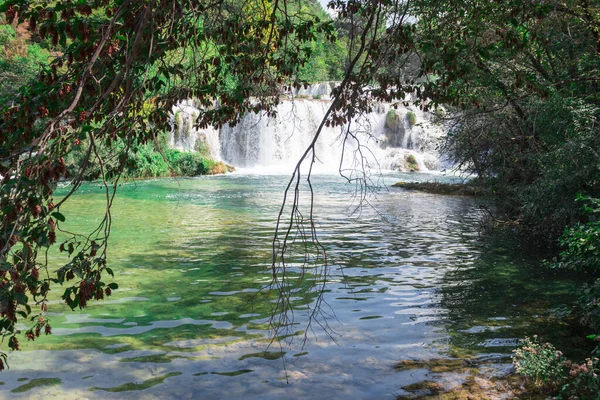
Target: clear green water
x,y
409,279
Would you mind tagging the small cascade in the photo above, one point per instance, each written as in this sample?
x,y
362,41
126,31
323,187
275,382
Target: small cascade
x,y
317,91
186,137
403,139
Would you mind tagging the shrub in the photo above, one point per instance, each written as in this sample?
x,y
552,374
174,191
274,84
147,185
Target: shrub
x,y
540,362
581,252
144,162
587,305
581,242
583,381
192,164
549,368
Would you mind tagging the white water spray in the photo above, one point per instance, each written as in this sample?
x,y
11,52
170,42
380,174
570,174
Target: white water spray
x,y
386,137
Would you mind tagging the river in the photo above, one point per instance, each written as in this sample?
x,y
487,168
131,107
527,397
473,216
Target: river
x,y
410,278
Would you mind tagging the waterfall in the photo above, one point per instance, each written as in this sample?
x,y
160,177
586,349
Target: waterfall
x,y
387,138
186,137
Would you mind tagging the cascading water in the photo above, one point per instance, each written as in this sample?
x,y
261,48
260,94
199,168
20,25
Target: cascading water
x,y
387,138
186,137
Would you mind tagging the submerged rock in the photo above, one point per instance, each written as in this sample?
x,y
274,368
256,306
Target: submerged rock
x,y
468,379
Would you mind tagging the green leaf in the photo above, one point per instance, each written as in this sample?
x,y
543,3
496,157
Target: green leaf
x,y
5,266
67,293
21,298
113,286
58,216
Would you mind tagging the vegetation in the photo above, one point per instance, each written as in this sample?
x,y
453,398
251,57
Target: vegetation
x,y
392,119
520,80
411,162
412,118
552,370
527,103
150,160
441,188
540,361
21,57
327,58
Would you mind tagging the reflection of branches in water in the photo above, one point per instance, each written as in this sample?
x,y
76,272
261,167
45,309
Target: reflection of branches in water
x,y
299,228
360,171
296,228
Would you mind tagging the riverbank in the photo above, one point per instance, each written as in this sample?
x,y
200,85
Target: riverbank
x,y
153,160
456,189
542,369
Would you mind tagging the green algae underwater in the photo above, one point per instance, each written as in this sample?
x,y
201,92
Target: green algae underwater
x,y
409,280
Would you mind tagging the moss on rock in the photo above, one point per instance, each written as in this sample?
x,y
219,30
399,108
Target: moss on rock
x,y
411,163
392,120
412,118
436,365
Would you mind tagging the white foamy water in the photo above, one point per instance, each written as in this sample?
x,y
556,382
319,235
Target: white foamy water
x,y
275,144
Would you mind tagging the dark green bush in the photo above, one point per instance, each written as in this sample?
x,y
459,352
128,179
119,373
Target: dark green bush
x,y
192,164
141,161
534,166
581,242
587,305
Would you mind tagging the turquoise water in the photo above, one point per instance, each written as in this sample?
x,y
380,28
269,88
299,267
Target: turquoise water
x,y
409,278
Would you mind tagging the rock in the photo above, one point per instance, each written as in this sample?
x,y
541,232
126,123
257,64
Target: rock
x,y
411,163
394,128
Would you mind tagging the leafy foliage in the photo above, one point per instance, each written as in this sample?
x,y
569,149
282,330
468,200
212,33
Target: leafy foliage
x,y
521,75
581,242
550,369
539,361
21,58
583,381
587,305
524,89
581,253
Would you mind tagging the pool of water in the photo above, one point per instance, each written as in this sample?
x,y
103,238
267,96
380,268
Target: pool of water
x,y
409,278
